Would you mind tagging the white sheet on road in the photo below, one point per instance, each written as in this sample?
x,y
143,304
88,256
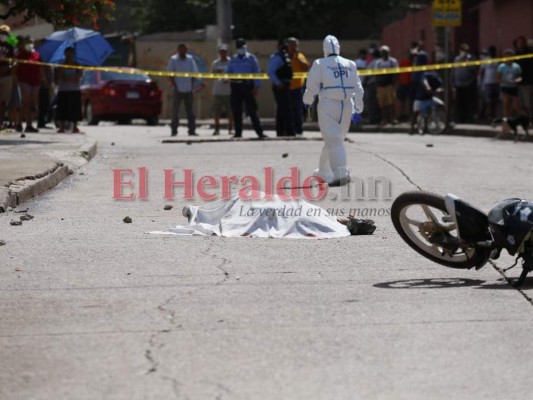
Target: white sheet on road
x,y
264,218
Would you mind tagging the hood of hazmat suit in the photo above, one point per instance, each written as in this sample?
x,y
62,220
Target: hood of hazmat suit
x,y
331,46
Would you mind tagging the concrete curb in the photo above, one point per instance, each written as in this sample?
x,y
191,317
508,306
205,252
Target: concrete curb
x,y
28,187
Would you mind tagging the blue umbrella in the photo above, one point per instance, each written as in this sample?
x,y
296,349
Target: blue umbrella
x,y
91,47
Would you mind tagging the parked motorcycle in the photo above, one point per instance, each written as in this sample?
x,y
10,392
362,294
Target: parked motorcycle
x,y
453,233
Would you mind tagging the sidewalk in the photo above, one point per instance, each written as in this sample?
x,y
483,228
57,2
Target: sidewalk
x,y
33,165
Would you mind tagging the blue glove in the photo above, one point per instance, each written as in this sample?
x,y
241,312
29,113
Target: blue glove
x,y
356,118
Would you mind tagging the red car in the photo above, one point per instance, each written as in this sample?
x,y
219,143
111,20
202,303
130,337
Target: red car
x,y
115,96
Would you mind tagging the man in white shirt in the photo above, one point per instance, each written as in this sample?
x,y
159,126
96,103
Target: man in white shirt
x,y
221,89
183,88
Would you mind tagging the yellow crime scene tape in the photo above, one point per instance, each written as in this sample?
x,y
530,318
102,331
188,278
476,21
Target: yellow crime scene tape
x,y
264,76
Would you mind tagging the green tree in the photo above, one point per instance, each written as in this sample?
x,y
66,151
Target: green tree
x,y
260,19
60,13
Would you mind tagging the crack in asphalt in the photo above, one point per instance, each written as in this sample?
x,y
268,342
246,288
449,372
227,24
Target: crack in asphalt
x,y
396,167
175,386
154,344
170,314
408,178
223,261
510,282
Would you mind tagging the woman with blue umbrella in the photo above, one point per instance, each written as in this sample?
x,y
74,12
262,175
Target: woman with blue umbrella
x,y
68,93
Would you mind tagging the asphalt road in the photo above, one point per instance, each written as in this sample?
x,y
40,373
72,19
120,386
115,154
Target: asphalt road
x,y
93,308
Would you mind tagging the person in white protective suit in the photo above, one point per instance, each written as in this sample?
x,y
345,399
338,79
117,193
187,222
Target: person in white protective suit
x,y
336,82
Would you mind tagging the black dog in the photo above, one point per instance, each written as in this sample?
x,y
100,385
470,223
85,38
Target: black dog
x,y
512,124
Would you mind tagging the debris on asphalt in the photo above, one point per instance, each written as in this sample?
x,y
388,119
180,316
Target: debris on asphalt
x,y
19,211
127,220
285,155
26,217
15,223
82,173
168,207
112,143
429,145
2,242
188,143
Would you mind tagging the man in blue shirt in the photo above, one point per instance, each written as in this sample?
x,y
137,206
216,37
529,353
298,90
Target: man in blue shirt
x,y
280,73
183,89
244,90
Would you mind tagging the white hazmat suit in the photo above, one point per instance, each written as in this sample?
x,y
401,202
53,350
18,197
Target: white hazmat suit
x,y
336,82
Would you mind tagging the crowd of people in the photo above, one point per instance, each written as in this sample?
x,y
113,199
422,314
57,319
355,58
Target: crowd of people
x,y
480,94
29,91
26,95
232,97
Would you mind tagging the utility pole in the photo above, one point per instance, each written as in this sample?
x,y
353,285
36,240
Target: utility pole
x,y
224,21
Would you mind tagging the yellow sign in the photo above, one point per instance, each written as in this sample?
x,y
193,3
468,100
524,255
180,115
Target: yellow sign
x,y
447,12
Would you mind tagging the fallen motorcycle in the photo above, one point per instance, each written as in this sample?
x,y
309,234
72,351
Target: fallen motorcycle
x,y
453,233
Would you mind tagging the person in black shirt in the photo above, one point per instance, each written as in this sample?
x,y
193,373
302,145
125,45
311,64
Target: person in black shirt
x,y
280,73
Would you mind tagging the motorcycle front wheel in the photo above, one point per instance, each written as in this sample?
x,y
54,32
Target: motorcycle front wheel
x,y
419,216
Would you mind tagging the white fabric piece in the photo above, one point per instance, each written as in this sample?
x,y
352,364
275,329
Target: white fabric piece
x,y
264,218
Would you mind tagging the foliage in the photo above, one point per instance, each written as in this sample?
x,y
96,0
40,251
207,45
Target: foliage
x,y
60,13
259,19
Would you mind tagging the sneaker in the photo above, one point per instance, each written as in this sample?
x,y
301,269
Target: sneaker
x,y
31,129
18,128
262,136
76,130
62,130
340,182
193,134
216,132
236,137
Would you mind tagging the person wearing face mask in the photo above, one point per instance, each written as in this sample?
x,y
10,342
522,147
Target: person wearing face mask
x,y
243,91
6,72
336,82
29,78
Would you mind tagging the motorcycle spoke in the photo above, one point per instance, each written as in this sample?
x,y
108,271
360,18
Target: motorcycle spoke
x,y
410,221
430,214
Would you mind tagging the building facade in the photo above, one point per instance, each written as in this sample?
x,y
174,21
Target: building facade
x,y
485,23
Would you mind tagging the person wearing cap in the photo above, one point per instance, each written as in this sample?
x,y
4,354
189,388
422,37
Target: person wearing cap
x,y
243,91
6,72
183,88
280,73
335,81
221,90
385,84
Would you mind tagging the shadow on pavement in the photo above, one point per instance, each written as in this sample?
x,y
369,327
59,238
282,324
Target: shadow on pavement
x,y
23,141
444,283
